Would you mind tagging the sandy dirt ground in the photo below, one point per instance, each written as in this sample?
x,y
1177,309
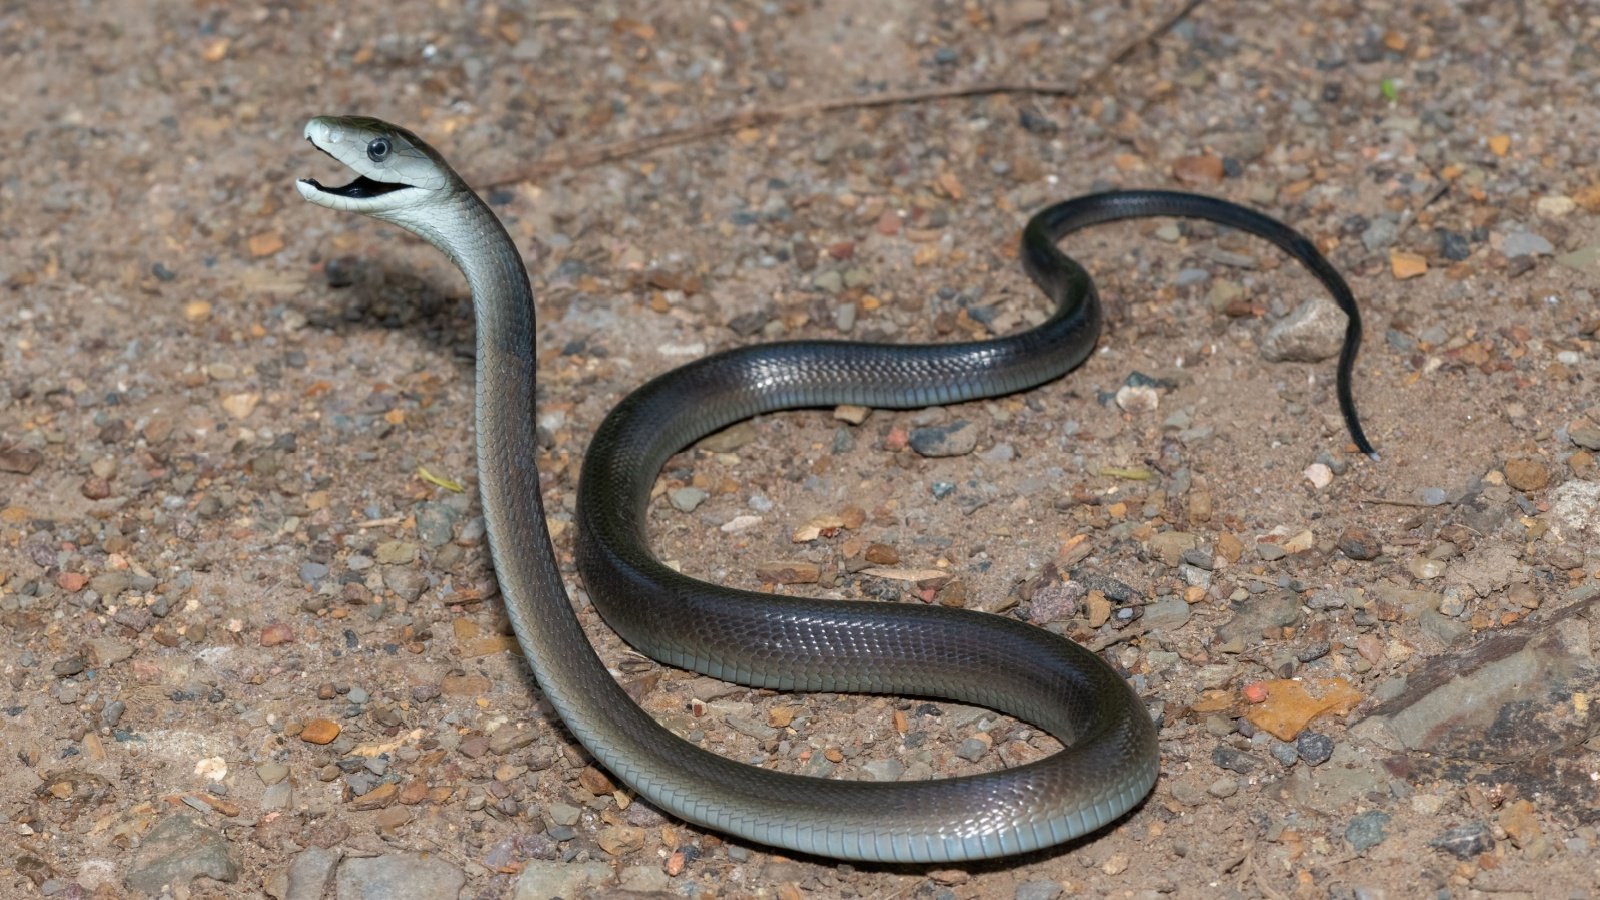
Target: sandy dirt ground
x,y
251,640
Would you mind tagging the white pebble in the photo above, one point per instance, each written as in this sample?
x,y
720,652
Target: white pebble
x,y
1319,475
740,523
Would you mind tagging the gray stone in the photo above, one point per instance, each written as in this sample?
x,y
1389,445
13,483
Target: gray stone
x,y
309,873
1367,830
1465,841
1525,243
1166,615
955,439
687,499
399,876
1506,699
1169,546
1037,890
543,879
885,769
1274,609
972,749
1312,333
436,523
729,439
178,850
562,814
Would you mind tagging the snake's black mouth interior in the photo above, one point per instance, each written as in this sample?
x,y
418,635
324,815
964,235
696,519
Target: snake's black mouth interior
x,y
360,189
363,188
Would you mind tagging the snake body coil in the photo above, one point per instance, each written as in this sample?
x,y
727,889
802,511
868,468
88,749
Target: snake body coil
x,y
1110,761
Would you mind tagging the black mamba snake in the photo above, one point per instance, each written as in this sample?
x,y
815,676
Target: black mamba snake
x,y
1110,761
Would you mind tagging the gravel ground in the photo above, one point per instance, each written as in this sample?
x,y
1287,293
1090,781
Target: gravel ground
x,y
251,641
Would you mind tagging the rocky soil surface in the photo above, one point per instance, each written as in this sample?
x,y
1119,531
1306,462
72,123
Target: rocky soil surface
x,y
250,640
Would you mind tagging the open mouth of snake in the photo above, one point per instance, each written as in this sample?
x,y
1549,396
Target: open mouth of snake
x,y
363,188
360,189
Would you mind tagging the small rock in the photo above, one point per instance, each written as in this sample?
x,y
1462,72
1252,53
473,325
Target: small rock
x,y
885,769
687,499
1585,435
1319,475
276,633
1235,761
1465,841
1314,748
620,840
1432,496
399,876
543,879
1223,787
1203,169
955,439
1169,546
1404,266
1137,398
272,772
1312,333
730,439
1526,474
789,572
309,873
178,850
1366,830
1359,543
1525,243
851,413
319,731
1037,890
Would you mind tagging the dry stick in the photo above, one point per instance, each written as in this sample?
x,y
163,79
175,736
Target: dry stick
x,y
755,117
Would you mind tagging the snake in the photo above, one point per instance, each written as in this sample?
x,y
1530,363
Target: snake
x,y
1109,759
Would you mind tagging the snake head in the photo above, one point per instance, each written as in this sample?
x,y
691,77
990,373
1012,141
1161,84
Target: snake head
x,y
396,172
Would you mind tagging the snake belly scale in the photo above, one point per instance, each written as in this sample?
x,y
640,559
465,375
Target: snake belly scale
x,y
1110,760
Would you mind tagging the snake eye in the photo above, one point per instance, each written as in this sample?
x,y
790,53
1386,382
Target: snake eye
x,y
378,149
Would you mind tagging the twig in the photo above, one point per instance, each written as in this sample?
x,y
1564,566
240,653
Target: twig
x,y
755,117
1385,501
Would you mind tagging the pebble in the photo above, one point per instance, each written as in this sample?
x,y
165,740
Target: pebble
x,y
1525,243
1312,333
1235,761
972,749
1170,546
1379,233
543,879
308,875
1431,496
313,572
1526,475
955,439
178,850
1465,841
1223,787
272,772
436,523
1359,543
885,769
1319,475
1366,830
730,439
1137,398
1166,615
399,876
1037,890
687,499
319,731
1314,748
